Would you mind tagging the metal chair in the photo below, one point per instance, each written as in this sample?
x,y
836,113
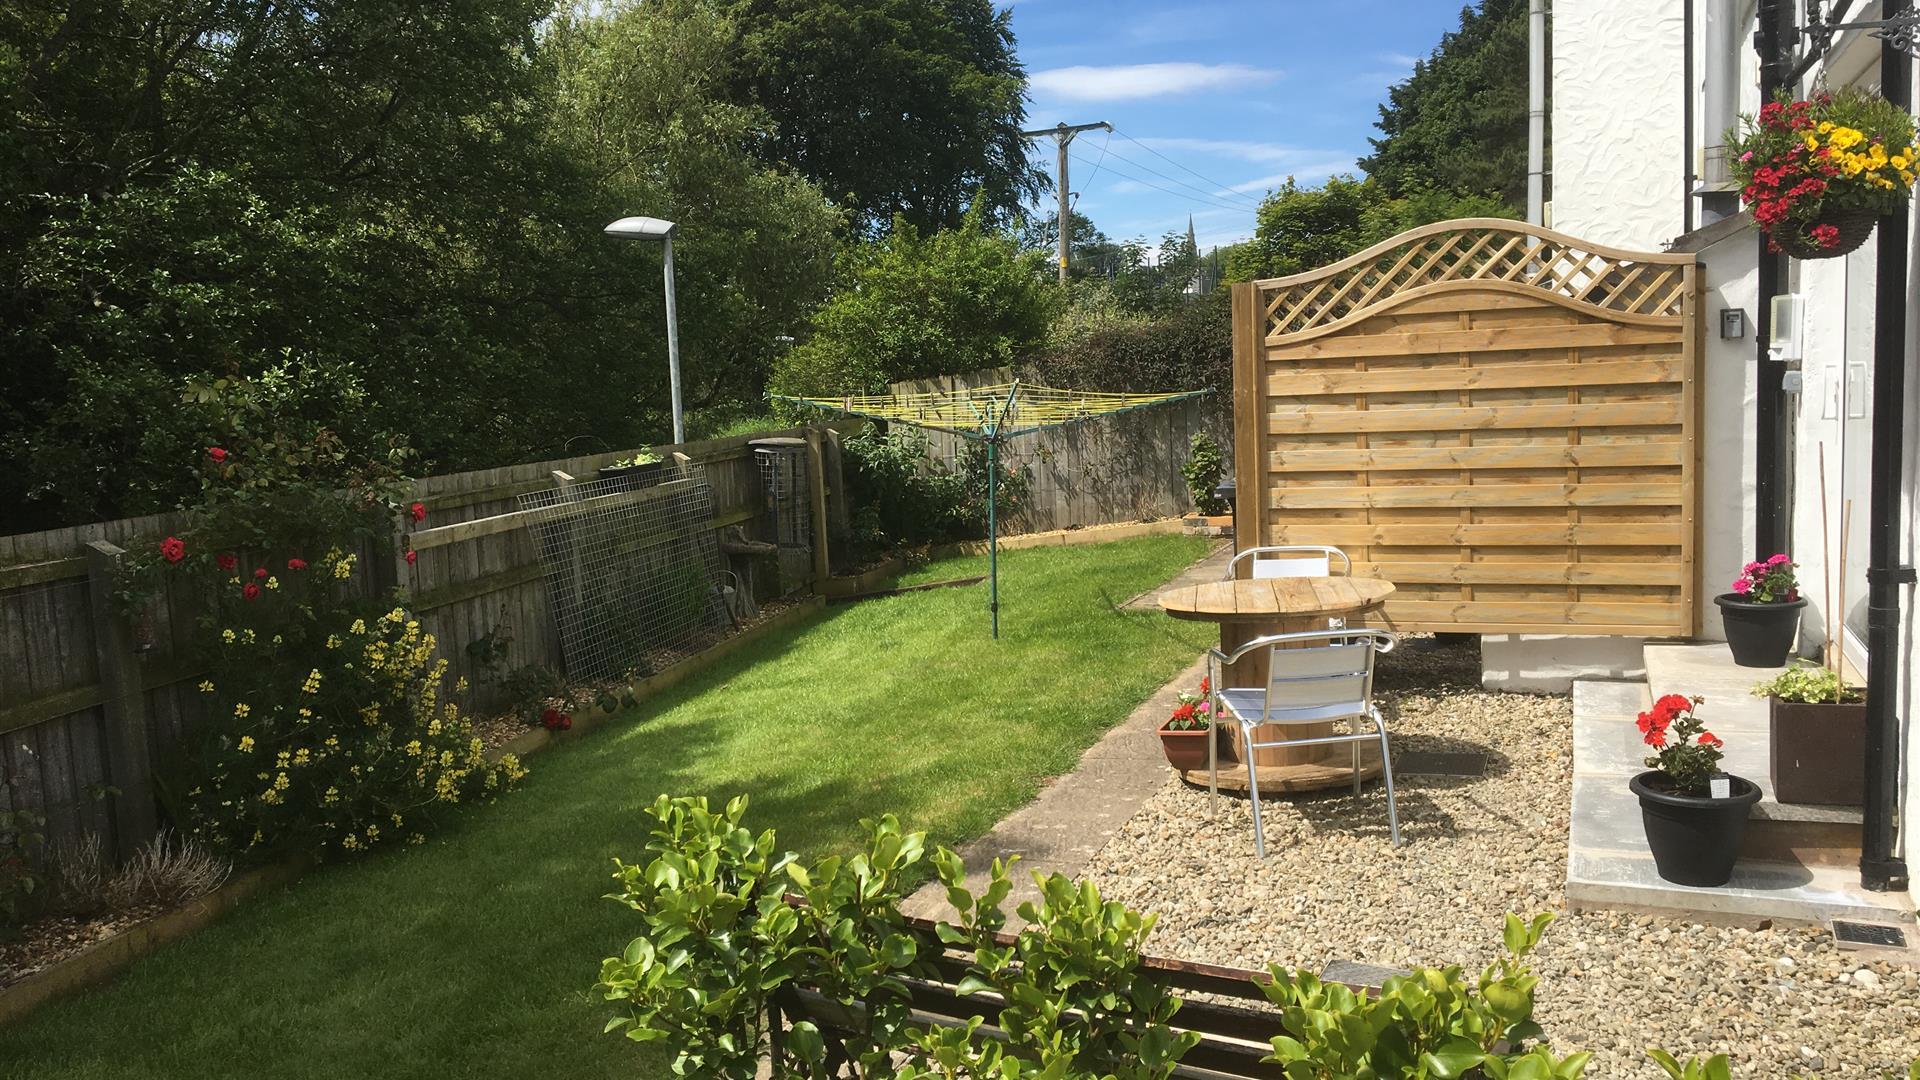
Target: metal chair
x,y
1309,684
1299,560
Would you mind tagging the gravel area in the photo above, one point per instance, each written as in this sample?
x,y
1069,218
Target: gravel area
x,y
1779,1001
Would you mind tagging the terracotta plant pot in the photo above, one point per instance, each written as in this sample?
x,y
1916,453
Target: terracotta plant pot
x,y
1819,752
1186,750
1695,840
1854,225
1760,635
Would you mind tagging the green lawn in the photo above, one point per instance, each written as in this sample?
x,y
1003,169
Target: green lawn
x,y
473,956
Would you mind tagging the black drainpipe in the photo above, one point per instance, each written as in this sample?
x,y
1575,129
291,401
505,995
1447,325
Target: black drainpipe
x,y
1770,532
1879,869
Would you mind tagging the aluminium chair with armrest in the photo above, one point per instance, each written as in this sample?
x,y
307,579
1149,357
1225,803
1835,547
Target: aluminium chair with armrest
x,y
1307,683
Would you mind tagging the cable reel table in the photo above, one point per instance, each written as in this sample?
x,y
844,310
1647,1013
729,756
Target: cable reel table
x,y
1247,609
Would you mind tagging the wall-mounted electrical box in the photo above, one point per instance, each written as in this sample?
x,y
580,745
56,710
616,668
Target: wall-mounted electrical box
x,y
1783,335
1733,323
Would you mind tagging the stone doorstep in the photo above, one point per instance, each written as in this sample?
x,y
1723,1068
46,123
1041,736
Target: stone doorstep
x,y
1780,892
1608,865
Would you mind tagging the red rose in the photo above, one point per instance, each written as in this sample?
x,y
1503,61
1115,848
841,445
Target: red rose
x,y
411,556
260,573
296,564
173,549
228,562
218,455
419,511
251,592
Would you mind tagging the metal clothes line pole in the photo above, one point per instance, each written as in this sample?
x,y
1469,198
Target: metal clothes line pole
x,y
993,530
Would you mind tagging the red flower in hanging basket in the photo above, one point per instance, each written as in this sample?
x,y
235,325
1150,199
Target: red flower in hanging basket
x,y
173,549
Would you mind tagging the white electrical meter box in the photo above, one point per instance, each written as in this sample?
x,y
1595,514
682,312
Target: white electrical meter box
x,y
1783,335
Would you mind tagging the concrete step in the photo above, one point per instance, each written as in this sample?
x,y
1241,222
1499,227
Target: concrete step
x,y
1799,864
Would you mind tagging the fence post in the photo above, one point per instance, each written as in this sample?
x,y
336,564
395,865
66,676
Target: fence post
x,y
129,766
817,487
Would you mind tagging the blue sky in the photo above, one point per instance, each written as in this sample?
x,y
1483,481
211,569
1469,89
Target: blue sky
x,y
1225,99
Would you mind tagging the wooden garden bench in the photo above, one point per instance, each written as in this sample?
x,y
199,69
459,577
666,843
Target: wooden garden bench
x,y
1233,1039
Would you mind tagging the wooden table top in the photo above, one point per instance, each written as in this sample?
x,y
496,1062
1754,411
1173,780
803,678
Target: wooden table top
x,y
1260,599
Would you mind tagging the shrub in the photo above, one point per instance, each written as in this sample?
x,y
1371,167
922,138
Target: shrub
x,y
1809,685
718,941
324,727
1204,467
22,838
902,497
1189,349
356,750
909,307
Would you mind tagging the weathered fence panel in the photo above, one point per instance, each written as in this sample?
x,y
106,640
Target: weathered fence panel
x,y
476,568
1120,468
1497,418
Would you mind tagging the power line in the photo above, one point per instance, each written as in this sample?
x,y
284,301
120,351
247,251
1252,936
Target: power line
x,y
1175,164
1203,192
1209,202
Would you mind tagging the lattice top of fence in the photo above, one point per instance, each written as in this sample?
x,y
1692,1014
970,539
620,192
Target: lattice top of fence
x,y
1000,410
1478,253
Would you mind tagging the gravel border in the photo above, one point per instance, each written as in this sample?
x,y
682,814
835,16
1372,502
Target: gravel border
x,y
1778,1001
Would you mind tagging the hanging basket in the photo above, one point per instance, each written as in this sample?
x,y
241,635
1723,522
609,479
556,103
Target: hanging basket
x,y
1854,225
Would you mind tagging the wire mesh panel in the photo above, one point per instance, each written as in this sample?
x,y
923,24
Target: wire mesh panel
x,y
632,567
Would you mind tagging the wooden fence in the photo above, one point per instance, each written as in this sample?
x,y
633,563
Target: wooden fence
x,y
1118,469
1497,418
86,703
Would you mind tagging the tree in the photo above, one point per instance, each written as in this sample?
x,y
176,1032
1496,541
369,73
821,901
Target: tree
x,y
908,108
407,196
1459,122
909,307
1298,229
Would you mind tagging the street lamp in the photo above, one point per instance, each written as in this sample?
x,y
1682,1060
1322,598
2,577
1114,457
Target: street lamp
x,y
648,228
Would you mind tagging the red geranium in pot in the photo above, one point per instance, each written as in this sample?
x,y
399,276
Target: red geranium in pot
x,y
1695,815
1184,736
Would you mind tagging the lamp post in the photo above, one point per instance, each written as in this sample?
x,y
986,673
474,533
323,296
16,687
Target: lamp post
x,y
648,228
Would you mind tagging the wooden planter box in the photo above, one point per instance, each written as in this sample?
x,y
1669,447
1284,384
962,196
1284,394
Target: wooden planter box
x,y
1819,752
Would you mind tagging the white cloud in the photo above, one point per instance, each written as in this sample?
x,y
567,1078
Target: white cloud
x,y
1131,82
1259,152
1305,172
1399,60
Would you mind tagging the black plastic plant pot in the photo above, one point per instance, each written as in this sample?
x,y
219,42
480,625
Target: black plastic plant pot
x,y
1695,839
1760,635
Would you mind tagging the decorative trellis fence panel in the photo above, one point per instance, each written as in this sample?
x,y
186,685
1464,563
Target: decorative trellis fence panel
x,y
1495,417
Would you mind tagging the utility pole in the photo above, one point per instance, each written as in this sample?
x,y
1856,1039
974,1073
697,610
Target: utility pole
x,y
1063,134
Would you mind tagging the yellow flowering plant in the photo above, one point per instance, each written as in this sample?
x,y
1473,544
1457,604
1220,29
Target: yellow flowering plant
x,y
1819,172
311,748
